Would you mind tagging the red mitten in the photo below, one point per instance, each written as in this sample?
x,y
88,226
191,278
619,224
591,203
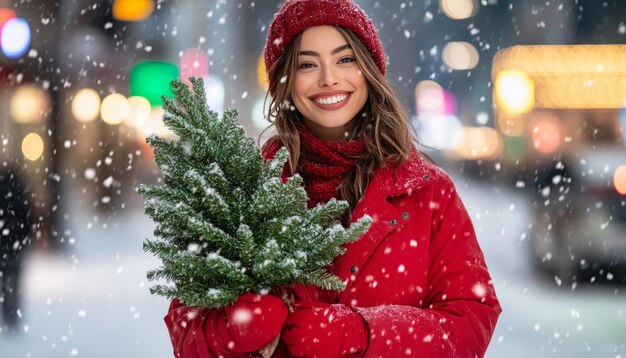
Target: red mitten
x,y
318,329
245,327
254,321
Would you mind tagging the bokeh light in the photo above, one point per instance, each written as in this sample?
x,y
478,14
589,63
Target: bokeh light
x,y
32,146
29,104
458,9
460,55
154,125
215,93
619,179
440,132
194,63
151,79
546,137
430,102
433,101
622,119
15,37
589,76
258,114
114,109
511,126
449,103
139,111
86,105
261,73
515,92
132,10
5,15
479,143
429,98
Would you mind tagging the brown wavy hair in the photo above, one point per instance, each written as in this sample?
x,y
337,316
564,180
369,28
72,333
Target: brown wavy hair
x,y
383,123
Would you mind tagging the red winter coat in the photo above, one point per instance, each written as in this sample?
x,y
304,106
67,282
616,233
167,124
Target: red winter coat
x,y
417,277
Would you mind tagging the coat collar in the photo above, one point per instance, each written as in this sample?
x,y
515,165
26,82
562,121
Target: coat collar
x,y
394,180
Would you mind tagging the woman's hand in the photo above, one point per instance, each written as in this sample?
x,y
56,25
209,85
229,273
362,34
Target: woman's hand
x,y
254,320
241,329
317,329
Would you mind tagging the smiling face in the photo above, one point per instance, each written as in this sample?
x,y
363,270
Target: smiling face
x,y
329,89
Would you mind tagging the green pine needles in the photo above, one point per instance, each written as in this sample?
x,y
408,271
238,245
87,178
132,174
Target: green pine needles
x,y
226,223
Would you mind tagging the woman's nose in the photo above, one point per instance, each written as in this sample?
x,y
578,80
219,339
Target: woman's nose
x,y
328,77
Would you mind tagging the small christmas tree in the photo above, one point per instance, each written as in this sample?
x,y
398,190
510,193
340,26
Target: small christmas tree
x,y
226,223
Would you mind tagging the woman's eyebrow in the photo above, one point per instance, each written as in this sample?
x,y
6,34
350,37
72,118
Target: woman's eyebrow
x,y
314,53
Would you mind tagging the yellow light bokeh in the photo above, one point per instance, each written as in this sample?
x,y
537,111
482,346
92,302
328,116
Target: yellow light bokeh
x,y
139,111
458,9
29,104
619,179
132,10
154,125
261,73
479,143
460,55
425,85
32,146
570,76
514,92
511,126
86,105
114,109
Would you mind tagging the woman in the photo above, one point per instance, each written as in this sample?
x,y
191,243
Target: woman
x,y
416,282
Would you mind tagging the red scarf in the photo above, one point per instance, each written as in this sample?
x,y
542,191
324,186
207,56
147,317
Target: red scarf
x,y
323,165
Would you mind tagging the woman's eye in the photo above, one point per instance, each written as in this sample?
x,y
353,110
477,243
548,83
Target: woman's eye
x,y
305,65
347,59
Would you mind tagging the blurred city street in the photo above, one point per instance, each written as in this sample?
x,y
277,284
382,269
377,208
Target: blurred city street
x,y
92,300
540,318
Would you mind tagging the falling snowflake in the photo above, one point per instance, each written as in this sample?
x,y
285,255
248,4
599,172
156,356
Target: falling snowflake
x,y
242,316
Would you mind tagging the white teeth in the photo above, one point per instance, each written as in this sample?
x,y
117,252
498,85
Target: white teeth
x,y
331,100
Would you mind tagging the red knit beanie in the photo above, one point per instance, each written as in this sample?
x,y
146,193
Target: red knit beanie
x,y
296,16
